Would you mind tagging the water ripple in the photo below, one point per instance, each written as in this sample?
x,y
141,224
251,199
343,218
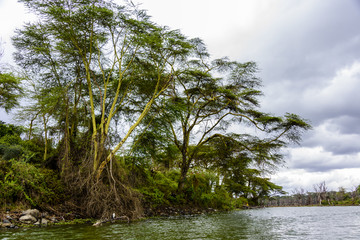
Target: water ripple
x,y
268,223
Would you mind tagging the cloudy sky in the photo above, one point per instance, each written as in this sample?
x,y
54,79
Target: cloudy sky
x,y
308,53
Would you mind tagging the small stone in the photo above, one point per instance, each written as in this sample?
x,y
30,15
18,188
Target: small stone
x,y
98,223
27,219
44,221
6,221
6,225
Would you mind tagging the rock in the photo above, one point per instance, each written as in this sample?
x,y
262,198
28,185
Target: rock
x,y
45,215
6,221
6,225
98,223
27,219
44,221
33,212
37,223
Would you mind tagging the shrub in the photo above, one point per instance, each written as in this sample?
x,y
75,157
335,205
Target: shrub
x,y
158,189
10,140
12,152
25,183
240,202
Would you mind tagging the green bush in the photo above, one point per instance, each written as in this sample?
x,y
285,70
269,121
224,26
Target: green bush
x,y
161,189
240,202
12,146
12,152
10,129
10,140
158,188
35,150
22,182
153,196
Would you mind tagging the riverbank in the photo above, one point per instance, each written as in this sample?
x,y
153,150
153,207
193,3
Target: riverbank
x,y
35,218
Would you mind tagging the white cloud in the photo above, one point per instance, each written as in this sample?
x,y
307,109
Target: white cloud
x,y
298,178
12,15
315,159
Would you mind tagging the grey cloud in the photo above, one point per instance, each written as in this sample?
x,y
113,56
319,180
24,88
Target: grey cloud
x,y
301,64
348,124
324,162
317,40
324,166
305,53
332,137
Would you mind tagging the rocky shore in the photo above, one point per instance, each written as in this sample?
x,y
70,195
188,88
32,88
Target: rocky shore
x,y
33,217
29,217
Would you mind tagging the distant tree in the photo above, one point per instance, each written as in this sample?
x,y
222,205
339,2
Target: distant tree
x,y
300,196
321,191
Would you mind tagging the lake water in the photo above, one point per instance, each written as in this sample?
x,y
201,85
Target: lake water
x,y
267,223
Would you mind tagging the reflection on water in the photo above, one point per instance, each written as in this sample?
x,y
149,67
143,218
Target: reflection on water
x,y
267,223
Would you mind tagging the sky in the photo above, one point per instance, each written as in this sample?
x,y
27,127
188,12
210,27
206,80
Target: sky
x,y
308,54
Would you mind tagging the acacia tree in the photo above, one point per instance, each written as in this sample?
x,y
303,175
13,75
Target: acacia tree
x,y
98,60
207,97
95,68
237,166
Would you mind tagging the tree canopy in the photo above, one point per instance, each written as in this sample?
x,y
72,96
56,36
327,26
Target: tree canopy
x,y
207,97
10,90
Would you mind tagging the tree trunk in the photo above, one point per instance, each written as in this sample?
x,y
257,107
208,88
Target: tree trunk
x,y
184,170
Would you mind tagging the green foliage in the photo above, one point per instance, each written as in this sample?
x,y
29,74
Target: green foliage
x,y
159,189
10,129
219,199
11,152
240,202
9,140
13,147
10,91
200,190
23,182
